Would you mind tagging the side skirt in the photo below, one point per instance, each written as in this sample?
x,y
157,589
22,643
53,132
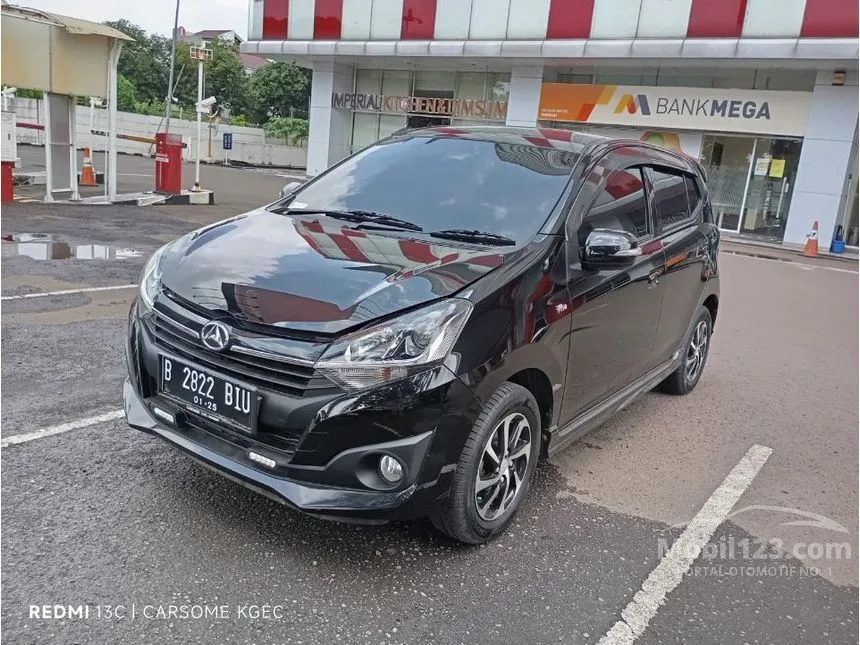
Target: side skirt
x,y
560,438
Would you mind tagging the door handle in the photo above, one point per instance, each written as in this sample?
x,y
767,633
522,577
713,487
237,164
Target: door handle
x,y
654,277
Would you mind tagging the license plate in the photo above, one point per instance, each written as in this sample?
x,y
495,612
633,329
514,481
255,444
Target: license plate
x,y
210,395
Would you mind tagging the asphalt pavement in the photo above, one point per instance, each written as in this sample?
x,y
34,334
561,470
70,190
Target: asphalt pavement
x,y
103,519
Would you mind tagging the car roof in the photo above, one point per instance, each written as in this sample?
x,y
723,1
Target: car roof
x,y
557,138
568,140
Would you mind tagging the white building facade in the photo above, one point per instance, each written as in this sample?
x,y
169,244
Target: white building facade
x,y
763,92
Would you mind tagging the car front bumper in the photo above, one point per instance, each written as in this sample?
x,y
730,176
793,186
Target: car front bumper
x,y
423,421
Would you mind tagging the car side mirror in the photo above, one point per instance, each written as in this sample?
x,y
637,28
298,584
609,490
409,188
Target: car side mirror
x,y
609,247
290,188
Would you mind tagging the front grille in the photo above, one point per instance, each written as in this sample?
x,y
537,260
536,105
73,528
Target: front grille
x,y
180,335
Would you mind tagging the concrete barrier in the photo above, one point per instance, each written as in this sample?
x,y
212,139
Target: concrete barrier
x,y
250,145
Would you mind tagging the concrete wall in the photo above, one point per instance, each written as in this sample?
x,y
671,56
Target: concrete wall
x,y
250,145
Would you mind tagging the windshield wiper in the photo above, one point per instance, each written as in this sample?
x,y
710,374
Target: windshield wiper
x,y
473,236
355,216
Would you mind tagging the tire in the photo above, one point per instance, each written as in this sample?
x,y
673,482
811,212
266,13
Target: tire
x,y
460,514
681,381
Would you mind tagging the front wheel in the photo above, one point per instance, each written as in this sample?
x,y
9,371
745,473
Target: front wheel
x,y
495,468
685,378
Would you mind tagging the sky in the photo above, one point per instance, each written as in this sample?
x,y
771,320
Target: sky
x,y
154,15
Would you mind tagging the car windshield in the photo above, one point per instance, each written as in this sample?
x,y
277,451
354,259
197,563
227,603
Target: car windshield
x,y
448,182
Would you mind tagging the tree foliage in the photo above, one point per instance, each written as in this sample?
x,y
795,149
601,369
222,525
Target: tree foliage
x,y
284,127
145,62
223,77
126,99
277,88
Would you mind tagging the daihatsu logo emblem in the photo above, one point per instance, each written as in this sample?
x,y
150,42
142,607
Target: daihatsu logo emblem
x,y
215,335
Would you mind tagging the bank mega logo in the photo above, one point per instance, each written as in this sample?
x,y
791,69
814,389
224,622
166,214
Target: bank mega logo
x,y
726,108
633,103
594,103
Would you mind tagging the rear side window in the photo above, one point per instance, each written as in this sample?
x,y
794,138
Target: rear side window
x,y
693,196
671,205
621,205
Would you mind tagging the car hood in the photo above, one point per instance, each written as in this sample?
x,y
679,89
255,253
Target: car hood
x,y
315,274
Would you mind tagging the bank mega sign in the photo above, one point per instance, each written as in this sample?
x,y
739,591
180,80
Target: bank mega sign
x,y
456,108
677,108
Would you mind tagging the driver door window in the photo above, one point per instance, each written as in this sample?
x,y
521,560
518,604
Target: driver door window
x,y
620,206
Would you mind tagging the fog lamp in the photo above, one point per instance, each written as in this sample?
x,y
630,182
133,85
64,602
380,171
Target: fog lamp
x,y
390,469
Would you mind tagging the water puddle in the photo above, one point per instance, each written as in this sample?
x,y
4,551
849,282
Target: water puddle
x,y
43,246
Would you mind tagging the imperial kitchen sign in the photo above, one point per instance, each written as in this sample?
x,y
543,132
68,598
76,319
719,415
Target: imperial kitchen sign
x,y
677,108
457,108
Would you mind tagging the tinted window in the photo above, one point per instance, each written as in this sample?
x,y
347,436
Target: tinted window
x,y
444,182
621,205
693,197
670,199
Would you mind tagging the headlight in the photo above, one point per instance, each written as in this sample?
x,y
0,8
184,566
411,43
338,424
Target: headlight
x,y
150,280
396,348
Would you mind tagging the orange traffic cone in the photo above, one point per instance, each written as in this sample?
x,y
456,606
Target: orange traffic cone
x,y
811,248
88,176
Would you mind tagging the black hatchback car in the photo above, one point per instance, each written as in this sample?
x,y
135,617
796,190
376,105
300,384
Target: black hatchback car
x,y
409,332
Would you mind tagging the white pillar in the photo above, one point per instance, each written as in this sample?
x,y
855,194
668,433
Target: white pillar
x,y
525,95
824,159
199,121
110,180
73,151
330,129
49,170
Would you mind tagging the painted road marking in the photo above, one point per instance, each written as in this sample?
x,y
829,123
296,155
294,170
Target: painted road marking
x,y
671,569
61,428
68,292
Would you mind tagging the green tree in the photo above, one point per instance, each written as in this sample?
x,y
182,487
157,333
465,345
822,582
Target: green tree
x,y
276,88
223,77
284,127
126,100
145,61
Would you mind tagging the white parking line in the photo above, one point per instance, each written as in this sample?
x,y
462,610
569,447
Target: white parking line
x,y
67,292
670,571
61,428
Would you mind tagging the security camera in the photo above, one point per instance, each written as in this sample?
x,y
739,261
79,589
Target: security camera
x,y
10,91
207,103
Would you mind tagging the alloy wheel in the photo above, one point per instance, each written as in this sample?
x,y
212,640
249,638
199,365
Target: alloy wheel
x,y
696,352
503,466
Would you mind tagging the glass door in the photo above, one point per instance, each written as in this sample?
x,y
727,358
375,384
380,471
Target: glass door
x,y
727,162
769,187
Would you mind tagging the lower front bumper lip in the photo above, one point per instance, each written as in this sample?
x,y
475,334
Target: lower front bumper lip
x,y
326,501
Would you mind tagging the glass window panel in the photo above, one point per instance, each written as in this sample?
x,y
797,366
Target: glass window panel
x,y
618,78
470,85
786,80
368,81
498,87
770,187
365,130
671,79
435,81
389,124
726,161
575,79
740,79
397,83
